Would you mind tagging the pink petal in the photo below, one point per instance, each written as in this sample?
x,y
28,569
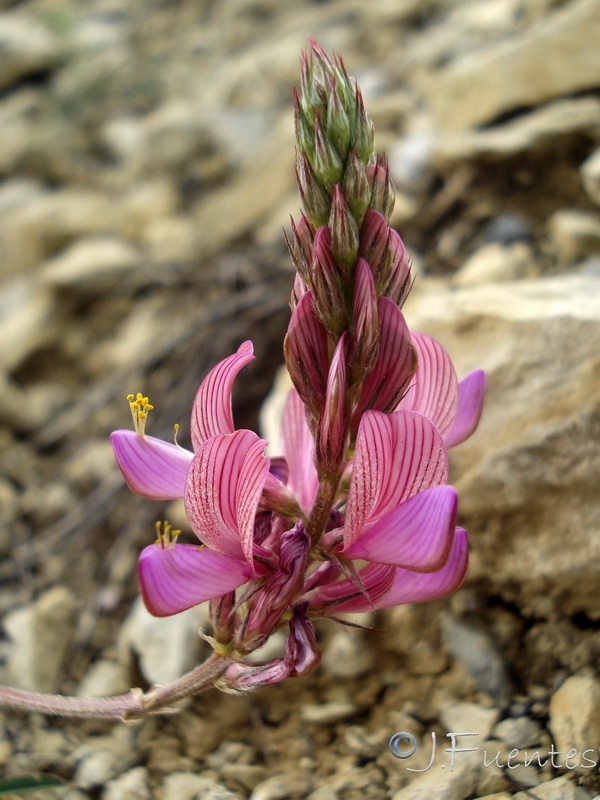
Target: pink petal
x,y
415,587
299,451
471,391
211,412
434,388
180,576
417,535
346,596
151,468
223,489
395,363
306,354
396,456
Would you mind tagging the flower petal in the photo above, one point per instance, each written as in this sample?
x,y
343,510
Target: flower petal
x,y
396,456
471,391
151,468
434,388
224,485
211,412
395,363
417,535
415,587
299,451
180,576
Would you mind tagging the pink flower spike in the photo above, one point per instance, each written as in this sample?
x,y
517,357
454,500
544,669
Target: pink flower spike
x,y
415,587
396,456
471,392
180,576
224,485
434,388
151,468
395,363
417,535
211,412
299,452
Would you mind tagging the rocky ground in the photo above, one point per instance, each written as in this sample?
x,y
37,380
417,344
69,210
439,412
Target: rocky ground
x,y
146,160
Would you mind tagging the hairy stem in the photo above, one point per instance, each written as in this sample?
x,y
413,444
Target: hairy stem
x,y
321,509
124,707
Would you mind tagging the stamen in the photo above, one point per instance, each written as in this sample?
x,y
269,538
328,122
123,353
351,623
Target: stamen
x,y
140,406
165,535
176,426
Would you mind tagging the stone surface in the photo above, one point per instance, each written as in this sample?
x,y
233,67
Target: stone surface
x,y
91,264
575,718
27,48
469,717
40,635
537,431
188,786
165,647
557,789
132,785
516,73
575,235
518,732
496,263
590,176
346,655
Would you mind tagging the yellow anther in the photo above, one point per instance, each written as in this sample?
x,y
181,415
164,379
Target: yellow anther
x,y
140,406
176,426
165,535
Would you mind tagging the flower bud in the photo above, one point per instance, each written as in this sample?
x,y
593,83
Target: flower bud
x,y
300,248
315,200
327,164
364,134
355,185
333,427
365,325
306,354
344,231
327,289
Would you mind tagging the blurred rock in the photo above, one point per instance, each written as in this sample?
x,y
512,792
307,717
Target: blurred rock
x,y
479,656
103,679
166,646
132,785
101,758
575,234
91,265
469,717
327,712
557,789
590,175
575,719
516,73
347,655
529,476
495,263
441,782
25,320
520,732
40,636
188,786
26,48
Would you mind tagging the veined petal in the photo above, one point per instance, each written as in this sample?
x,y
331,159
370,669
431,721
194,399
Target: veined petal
x,y
211,412
346,596
299,451
417,535
434,388
471,391
180,576
415,587
151,468
395,363
224,484
396,456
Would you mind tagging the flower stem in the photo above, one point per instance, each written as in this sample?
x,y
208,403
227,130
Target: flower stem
x,y
319,515
128,706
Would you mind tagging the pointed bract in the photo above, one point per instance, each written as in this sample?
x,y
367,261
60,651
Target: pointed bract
x,y
333,428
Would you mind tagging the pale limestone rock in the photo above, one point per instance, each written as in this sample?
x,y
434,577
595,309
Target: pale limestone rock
x,y
575,718
518,732
99,759
464,716
189,786
528,478
575,234
444,781
166,647
132,785
590,175
91,264
496,263
517,72
27,47
40,636
346,655
325,713
557,789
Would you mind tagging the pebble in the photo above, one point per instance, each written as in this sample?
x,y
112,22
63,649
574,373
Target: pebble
x,y
40,634
478,654
91,265
327,712
590,176
277,787
132,785
575,717
190,786
469,717
518,732
27,48
575,234
557,789
495,263
101,758
347,656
